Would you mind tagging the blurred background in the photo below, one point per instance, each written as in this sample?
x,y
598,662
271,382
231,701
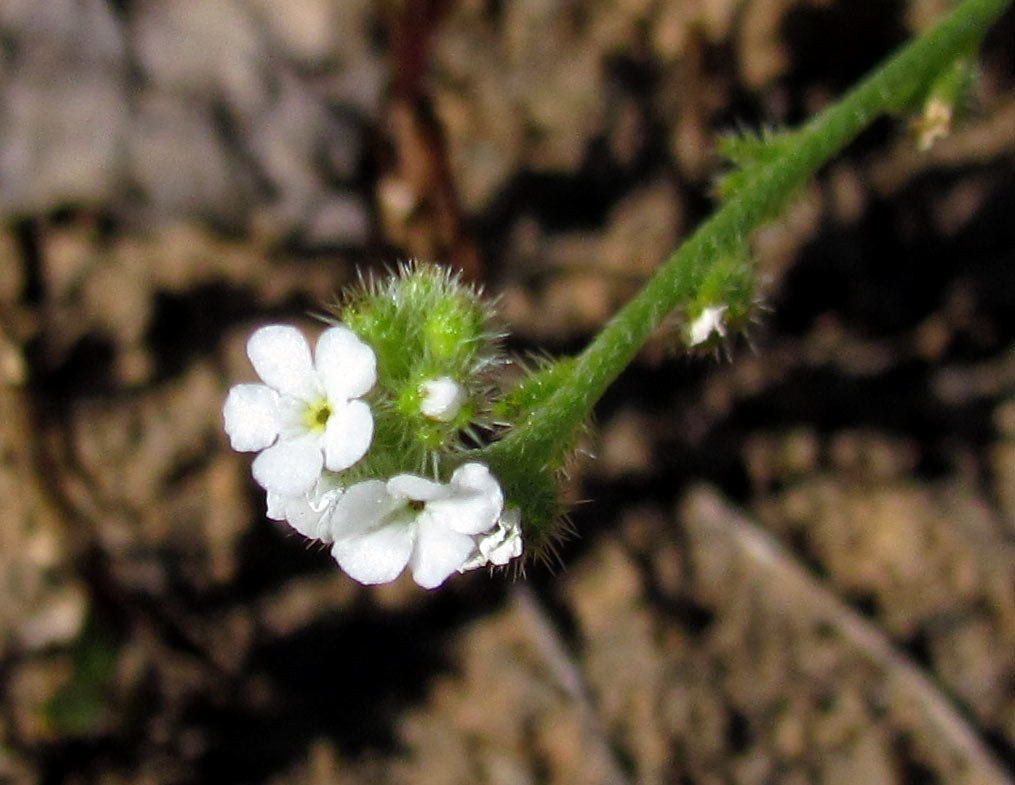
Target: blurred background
x,y
794,566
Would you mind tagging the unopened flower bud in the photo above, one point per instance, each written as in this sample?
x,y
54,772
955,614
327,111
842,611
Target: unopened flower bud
x,y
709,321
442,399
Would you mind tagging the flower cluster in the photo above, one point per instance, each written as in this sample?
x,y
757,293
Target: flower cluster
x,y
345,434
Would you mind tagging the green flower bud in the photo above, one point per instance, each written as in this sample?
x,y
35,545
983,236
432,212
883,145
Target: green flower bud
x,y
435,346
947,99
724,303
750,153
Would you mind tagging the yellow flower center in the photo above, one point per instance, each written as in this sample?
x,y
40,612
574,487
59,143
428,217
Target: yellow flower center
x,y
316,415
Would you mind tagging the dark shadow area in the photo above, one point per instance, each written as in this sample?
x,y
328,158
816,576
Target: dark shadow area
x,y
346,679
834,45
191,324
895,268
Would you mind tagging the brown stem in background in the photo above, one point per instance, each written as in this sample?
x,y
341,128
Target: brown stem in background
x,y
417,196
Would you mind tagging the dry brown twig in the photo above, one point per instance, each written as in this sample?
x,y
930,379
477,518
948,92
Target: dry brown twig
x,y
785,584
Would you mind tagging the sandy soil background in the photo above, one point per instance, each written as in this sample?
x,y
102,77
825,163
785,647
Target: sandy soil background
x,y
795,566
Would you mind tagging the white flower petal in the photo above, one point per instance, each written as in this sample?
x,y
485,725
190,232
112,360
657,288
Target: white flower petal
x,y
348,434
507,544
346,366
251,417
467,513
290,467
377,556
510,549
409,486
310,514
499,546
438,552
477,476
475,503
292,417
442,399
363,507
281,357
475,561
276,506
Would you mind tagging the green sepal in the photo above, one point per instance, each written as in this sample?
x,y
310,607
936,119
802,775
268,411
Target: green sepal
x,y
750,152
947,101
532,390
423,323
730,282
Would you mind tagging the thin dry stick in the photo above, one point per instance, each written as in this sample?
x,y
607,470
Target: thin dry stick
x,y
568,676
708,517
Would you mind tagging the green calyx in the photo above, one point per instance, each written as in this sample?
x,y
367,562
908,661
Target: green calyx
x,y
949,97
730,286
423,324
536,492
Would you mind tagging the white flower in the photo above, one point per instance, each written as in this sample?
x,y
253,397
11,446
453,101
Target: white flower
x,y
442,399
710,321
500,545
380,527
309,513
304,417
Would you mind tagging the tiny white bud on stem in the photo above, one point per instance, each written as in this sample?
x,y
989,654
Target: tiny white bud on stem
x,y
710,320
442,399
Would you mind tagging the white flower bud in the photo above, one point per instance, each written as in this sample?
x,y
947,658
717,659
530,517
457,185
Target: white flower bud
x,y
710,321
442,399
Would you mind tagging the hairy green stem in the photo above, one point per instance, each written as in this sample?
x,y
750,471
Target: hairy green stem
x,y
895,86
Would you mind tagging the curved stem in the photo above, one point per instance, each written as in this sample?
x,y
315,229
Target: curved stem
x,y
550,430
